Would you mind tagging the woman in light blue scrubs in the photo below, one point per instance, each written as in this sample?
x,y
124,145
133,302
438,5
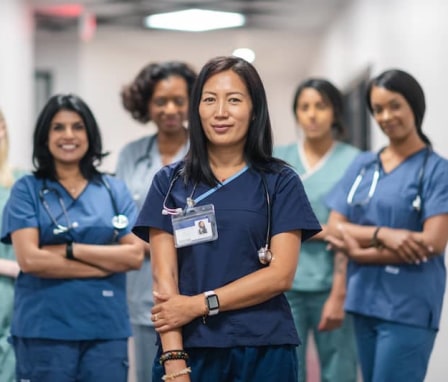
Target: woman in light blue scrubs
x,y
390,217
70,227
159,94
220,310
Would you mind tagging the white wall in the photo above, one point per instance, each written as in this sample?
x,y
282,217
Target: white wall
x,y
411,35
16,78
98,69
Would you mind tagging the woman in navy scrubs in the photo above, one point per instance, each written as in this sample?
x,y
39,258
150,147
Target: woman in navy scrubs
x,y
390,217
70,227
220,309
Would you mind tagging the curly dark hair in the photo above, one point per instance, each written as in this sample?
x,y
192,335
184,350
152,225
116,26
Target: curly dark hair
x,y
136,95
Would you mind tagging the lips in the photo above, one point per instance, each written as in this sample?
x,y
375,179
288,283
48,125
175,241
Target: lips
x,y
221,128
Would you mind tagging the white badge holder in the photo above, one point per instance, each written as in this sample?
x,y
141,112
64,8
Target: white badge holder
x,y
194,225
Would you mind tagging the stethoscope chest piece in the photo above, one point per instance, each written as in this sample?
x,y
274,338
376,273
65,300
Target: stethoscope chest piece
x,y
264,255
120,221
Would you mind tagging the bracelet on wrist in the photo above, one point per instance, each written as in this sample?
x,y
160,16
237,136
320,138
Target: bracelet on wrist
x,y
176,374
69,251
171,355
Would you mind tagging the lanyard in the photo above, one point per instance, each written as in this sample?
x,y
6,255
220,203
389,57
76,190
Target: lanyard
x,y
216,188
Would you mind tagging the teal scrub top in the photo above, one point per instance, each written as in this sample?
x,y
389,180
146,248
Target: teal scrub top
x,y
315,270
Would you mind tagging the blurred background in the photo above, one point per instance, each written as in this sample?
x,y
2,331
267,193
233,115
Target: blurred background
x,y
94,47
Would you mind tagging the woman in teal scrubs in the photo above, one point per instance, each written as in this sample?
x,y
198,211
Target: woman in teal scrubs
x,y
9,269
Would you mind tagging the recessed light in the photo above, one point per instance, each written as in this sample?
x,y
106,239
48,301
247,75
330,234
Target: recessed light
x,y
195,20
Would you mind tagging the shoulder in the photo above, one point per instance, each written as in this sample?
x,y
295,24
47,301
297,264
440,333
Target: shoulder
x,y
346,148
27,181
285,150
135,148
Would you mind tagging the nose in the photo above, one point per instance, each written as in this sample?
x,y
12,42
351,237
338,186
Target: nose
x,y
221,109
170,107
384,115
69,132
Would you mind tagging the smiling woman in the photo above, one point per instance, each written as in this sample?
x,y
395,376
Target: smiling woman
x,y
218,307
69,226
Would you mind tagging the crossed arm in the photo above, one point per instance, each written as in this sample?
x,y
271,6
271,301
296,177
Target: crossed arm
x,y
91,260
397,245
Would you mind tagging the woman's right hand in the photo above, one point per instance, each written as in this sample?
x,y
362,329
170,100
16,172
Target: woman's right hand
x,y
408,245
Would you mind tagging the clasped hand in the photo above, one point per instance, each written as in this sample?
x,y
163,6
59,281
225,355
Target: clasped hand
x,y
171,312
409,246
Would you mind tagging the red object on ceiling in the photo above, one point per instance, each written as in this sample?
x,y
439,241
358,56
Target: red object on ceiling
x,y
63,10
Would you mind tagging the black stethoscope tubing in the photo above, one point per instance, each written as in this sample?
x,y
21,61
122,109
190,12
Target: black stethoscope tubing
x,y
119,221
264,253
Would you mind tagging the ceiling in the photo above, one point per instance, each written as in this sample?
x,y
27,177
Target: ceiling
x,y
304,16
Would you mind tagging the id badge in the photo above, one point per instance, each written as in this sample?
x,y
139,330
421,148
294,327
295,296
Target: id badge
x,y
195,225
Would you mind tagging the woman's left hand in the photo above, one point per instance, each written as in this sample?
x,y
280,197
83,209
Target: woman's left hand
x,y
347,244
172,312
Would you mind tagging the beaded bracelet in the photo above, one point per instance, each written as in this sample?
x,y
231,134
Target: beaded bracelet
x,y
185,371
173,354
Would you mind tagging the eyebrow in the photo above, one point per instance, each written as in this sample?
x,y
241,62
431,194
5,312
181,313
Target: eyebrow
x,y
229,93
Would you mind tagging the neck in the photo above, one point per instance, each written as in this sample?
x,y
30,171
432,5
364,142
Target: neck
x,y
406,147
226,162
170,144
318,147
68,173
315,150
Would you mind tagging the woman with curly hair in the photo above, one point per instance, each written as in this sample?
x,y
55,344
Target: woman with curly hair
x,y
159,94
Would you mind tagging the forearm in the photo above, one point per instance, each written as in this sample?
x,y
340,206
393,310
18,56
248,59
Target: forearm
x,y
338,288
112,258
9,268
53,264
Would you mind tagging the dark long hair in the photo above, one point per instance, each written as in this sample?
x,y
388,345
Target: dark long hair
x,y
403,83
136,95
43,160
258,146
330,94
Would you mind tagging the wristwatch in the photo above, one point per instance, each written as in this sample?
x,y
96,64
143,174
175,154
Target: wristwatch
x,y
212,302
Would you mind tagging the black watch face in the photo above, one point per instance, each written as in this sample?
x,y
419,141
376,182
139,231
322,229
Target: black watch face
x,y
212,302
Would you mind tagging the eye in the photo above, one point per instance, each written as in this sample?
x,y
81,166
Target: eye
x,y
322,106
180,101
395,106
159,102
234,100
57,127
79,126
208,99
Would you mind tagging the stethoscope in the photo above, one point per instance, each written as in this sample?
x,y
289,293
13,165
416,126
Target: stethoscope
x,y
416,203
119,221
264,253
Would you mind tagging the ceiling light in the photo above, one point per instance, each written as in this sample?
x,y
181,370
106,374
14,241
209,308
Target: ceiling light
x,y
245,53
195,20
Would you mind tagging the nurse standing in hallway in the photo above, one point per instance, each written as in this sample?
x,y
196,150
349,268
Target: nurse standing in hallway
x,y
9,269
159,94
390,218
318,291
70,227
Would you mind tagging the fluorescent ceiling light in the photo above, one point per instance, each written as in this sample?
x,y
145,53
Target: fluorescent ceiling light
x,y
245,53
195,20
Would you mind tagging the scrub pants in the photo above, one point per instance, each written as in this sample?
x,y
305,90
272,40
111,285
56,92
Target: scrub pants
x,y
7,359
392,352
336,348
145,350
40,360
239,364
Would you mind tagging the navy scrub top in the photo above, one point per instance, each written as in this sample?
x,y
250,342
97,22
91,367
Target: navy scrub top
x,y
404,293
241,215
69,309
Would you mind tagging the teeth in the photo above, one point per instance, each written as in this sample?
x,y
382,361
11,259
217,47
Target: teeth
x,y
68,147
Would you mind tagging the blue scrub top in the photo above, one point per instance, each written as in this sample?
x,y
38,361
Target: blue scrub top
x,y
69,309
241,215
404,293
